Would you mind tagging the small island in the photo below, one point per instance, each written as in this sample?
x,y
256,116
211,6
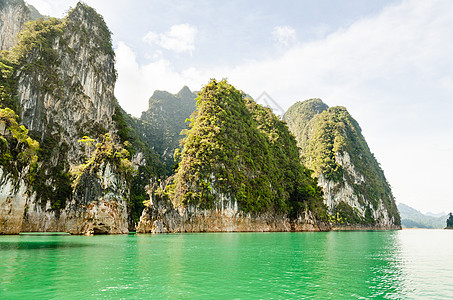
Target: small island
x,y
449,221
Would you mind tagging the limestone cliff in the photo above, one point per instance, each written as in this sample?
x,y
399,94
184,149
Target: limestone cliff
x,y
60,77
356,191
18,164
13,15
165,119
162,216
239,170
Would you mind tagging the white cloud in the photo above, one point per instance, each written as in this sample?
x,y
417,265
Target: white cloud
x,y
284,35
180,38
52,8
136,83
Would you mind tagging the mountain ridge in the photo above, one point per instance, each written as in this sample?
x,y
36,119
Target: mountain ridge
x,y
413,218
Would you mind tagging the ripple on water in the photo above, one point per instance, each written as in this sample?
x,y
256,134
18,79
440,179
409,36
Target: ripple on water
x,y
333,265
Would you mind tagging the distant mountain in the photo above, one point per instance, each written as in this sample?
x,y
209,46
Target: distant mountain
x,y
412,218
165,119
436,215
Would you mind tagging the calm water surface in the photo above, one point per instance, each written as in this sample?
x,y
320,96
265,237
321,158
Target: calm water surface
x,y
408,264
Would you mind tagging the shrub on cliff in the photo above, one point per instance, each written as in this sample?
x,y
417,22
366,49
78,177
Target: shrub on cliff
x,y
17,149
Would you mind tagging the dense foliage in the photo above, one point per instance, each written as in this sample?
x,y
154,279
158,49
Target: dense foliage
x,y
107,151
153,139
238,150
324,133
344,213
301,113
8,86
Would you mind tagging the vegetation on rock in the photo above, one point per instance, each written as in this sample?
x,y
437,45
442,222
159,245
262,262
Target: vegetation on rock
x,y
150,166
325,135
38,58
17,150
237,150
107,151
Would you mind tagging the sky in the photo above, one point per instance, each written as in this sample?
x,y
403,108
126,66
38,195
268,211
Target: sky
x,y
388,62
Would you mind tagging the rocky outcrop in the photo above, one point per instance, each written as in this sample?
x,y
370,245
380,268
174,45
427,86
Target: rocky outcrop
x,y
356,191
73,95
13,15
65,80
13,198
98,207
165,119
161,216
337,193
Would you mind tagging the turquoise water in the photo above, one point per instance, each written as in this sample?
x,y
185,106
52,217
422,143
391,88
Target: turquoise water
x,y
408,264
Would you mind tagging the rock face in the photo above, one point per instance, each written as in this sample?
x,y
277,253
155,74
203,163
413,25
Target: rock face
x,y
13,15
355,189
65,75
97,207
160,216
13,197
165,119
72,94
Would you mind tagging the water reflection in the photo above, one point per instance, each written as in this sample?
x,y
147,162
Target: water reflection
x,y
39,245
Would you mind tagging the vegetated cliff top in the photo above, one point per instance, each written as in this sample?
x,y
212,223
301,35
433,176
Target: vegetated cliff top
x,y
237,150
300,113
92,23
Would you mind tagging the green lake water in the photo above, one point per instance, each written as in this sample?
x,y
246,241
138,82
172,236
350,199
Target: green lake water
x,y
407,264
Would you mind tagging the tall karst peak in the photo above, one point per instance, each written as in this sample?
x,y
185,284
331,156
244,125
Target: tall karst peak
x,y
331,143
239,170
301,112
60,79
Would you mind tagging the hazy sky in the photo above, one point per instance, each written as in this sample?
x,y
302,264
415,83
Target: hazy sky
x,y
390,63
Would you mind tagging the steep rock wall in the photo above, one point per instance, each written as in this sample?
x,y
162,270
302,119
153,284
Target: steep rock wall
x,y
343,192
13,198
65,80
162,216
13,15
73,95
98,207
